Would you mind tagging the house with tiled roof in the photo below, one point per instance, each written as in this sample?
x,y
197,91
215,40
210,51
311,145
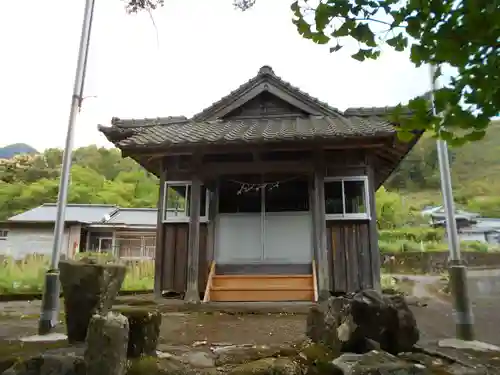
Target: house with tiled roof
x,y
127,233
275,193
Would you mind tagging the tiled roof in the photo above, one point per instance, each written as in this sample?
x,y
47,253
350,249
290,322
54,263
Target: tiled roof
x,y
249,130
205,127
266,73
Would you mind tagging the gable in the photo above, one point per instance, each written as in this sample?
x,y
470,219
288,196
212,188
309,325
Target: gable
x,y
263,105
257,93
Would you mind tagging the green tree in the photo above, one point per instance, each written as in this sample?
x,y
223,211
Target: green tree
x,y
98,175
391,212
461,34
456,33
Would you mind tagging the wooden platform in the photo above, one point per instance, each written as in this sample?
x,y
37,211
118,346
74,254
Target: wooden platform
x,y
229,284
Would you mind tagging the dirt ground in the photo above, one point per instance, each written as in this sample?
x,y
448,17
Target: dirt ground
x,y
435,321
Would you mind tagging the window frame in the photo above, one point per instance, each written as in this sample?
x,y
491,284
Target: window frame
x,y
183,218
350,216
4,233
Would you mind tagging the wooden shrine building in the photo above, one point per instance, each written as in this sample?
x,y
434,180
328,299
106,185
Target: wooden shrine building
x,y
266,195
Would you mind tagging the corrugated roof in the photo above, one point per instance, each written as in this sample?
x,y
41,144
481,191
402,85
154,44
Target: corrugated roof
x,y
134,216
83,213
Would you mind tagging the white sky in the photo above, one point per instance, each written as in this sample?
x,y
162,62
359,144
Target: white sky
x,y
205,49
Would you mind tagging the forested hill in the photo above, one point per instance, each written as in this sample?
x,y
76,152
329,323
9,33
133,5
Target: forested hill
x,y
101,175
10,151
475,171
98,175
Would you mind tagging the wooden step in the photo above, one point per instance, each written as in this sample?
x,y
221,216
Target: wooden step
x,y
246,288
260,281
261,295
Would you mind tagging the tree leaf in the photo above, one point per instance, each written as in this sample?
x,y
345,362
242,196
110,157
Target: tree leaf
x,y
335,48
320,38
364,34
322,16
360,55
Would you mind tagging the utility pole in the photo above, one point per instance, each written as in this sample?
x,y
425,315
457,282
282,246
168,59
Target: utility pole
x,y
458,273
50,301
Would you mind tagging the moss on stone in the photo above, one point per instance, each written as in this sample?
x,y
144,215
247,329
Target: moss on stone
x,y
269,366
143,366
12,352
317,358
144,330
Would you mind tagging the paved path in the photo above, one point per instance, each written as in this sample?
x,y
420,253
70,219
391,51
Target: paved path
x,y
436,320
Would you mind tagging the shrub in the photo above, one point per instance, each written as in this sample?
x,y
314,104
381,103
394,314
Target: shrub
x,y
415,234
474,246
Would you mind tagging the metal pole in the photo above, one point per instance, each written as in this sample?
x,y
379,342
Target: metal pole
x,y
50,301
458,274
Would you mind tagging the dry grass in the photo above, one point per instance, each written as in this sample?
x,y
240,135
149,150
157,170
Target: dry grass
x,y
27,275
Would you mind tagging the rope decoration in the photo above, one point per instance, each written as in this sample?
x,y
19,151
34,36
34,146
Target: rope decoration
x,y
246,187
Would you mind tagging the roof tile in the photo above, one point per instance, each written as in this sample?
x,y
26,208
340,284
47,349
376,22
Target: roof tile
x,y
251,130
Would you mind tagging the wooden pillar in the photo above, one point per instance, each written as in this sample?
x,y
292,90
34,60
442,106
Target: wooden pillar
x,y
373,232
319,223
213,210
192,293
312,207
159,248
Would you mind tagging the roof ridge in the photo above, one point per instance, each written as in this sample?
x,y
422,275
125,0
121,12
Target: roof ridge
x,y
265,72
146,121
80,205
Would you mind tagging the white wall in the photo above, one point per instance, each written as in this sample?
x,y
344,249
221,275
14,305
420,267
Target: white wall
x,y
23,241
287,238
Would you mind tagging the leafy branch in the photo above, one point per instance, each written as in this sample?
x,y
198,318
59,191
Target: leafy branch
x,y
460,34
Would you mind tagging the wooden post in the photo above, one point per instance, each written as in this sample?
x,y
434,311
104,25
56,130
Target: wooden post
x,y
314,245
159,247
213,209
192,292
320,228
373,231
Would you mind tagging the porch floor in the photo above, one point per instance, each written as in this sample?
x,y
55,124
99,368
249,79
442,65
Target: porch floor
x,y
263,269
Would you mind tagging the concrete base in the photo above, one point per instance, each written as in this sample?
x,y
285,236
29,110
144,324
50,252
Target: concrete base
x,y
44,338
468,345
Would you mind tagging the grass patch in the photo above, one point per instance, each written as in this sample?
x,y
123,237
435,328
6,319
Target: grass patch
x,y
27,275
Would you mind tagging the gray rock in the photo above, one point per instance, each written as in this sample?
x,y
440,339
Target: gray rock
x,y
237,354
375,363
49,365
107,342
144,331
361,322
88,289
322,323
199,359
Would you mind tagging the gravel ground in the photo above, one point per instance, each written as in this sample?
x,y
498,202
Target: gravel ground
x,y
435,322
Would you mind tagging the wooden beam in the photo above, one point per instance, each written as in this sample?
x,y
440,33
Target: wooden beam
x,y
159,247
324,277
257,167
353,143
192,293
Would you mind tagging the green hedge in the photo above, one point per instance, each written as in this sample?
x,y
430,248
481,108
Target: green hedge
x,y
414,234
404,246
